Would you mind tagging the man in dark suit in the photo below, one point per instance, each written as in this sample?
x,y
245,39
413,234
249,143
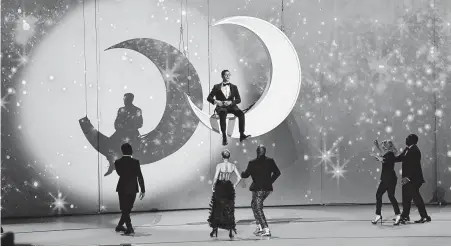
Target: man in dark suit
x,y
264,173
226,97
130,176
412,179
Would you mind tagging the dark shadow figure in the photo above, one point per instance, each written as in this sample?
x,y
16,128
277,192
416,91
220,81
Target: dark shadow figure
x,y
129,119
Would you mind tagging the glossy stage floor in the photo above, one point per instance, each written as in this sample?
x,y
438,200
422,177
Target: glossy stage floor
x,y
308,225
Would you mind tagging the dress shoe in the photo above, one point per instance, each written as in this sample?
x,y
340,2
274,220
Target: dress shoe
x,y
243,137
424,220
129,231
120,229
224,141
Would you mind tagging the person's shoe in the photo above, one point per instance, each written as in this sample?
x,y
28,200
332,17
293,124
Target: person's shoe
x,y
8,239
258,231
243,137
397,220
224,141
377,219
265,233
129,231
214,232
424,220
120,229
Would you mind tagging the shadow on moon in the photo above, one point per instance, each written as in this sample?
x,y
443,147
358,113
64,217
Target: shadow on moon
x,y
178,122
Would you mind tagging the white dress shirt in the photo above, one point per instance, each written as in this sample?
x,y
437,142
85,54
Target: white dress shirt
x,y
225,90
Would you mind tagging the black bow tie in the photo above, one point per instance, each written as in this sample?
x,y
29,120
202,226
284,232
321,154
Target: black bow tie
x,y
225,84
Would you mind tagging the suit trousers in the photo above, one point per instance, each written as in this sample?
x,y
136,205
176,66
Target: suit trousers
x,y
222,113
126,201
411,191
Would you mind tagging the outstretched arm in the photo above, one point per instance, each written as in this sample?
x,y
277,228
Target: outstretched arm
x,y
247,173
238,176
376,144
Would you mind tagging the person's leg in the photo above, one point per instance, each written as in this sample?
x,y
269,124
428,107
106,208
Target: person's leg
x,y
222,113
241,121
406,200
240,114
122,202
255,212
418,200
128,222
261,199
391,196
379,193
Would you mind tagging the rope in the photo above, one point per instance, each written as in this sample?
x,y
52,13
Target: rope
x,y
99,168
182,39
84,56
282,27
187,42
209,66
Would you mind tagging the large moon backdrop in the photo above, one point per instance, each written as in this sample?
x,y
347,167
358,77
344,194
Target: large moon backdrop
x,y
370,70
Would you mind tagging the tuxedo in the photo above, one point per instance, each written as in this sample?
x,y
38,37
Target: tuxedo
x,y
227,92
411,169
130,177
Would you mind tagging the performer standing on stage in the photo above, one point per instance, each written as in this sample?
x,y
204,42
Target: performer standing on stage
x,y
222,207
412,179
129,171
264,173
226,97
388,178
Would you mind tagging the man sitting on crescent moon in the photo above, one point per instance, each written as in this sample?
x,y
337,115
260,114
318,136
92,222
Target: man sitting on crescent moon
x,y
129,119
226,97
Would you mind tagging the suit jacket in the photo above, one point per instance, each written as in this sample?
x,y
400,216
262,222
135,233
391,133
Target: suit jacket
x,y
411,164
217,94
130,175
263,171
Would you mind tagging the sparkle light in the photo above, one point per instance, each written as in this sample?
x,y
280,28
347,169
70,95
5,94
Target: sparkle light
x,y
59,202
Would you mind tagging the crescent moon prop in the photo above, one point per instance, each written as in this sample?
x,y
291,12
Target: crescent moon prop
x,y
281,91
178,122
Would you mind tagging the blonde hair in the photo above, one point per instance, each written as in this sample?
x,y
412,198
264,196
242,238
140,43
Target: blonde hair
x,y
389,146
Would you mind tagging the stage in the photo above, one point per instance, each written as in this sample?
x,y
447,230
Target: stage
x,y
307,225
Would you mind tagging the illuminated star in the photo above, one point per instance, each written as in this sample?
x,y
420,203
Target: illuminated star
x,y
327,154
169,73
22,59
338,170
59,202
4,102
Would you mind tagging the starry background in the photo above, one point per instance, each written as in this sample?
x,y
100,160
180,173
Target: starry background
x,y
371,69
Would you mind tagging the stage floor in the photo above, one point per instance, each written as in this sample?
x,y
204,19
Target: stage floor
x,y
308,225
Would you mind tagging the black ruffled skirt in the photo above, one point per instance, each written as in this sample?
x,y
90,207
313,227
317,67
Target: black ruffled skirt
x,y
222,206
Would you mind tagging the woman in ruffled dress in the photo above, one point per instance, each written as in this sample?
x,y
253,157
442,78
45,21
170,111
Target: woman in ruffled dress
x,y
222,206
